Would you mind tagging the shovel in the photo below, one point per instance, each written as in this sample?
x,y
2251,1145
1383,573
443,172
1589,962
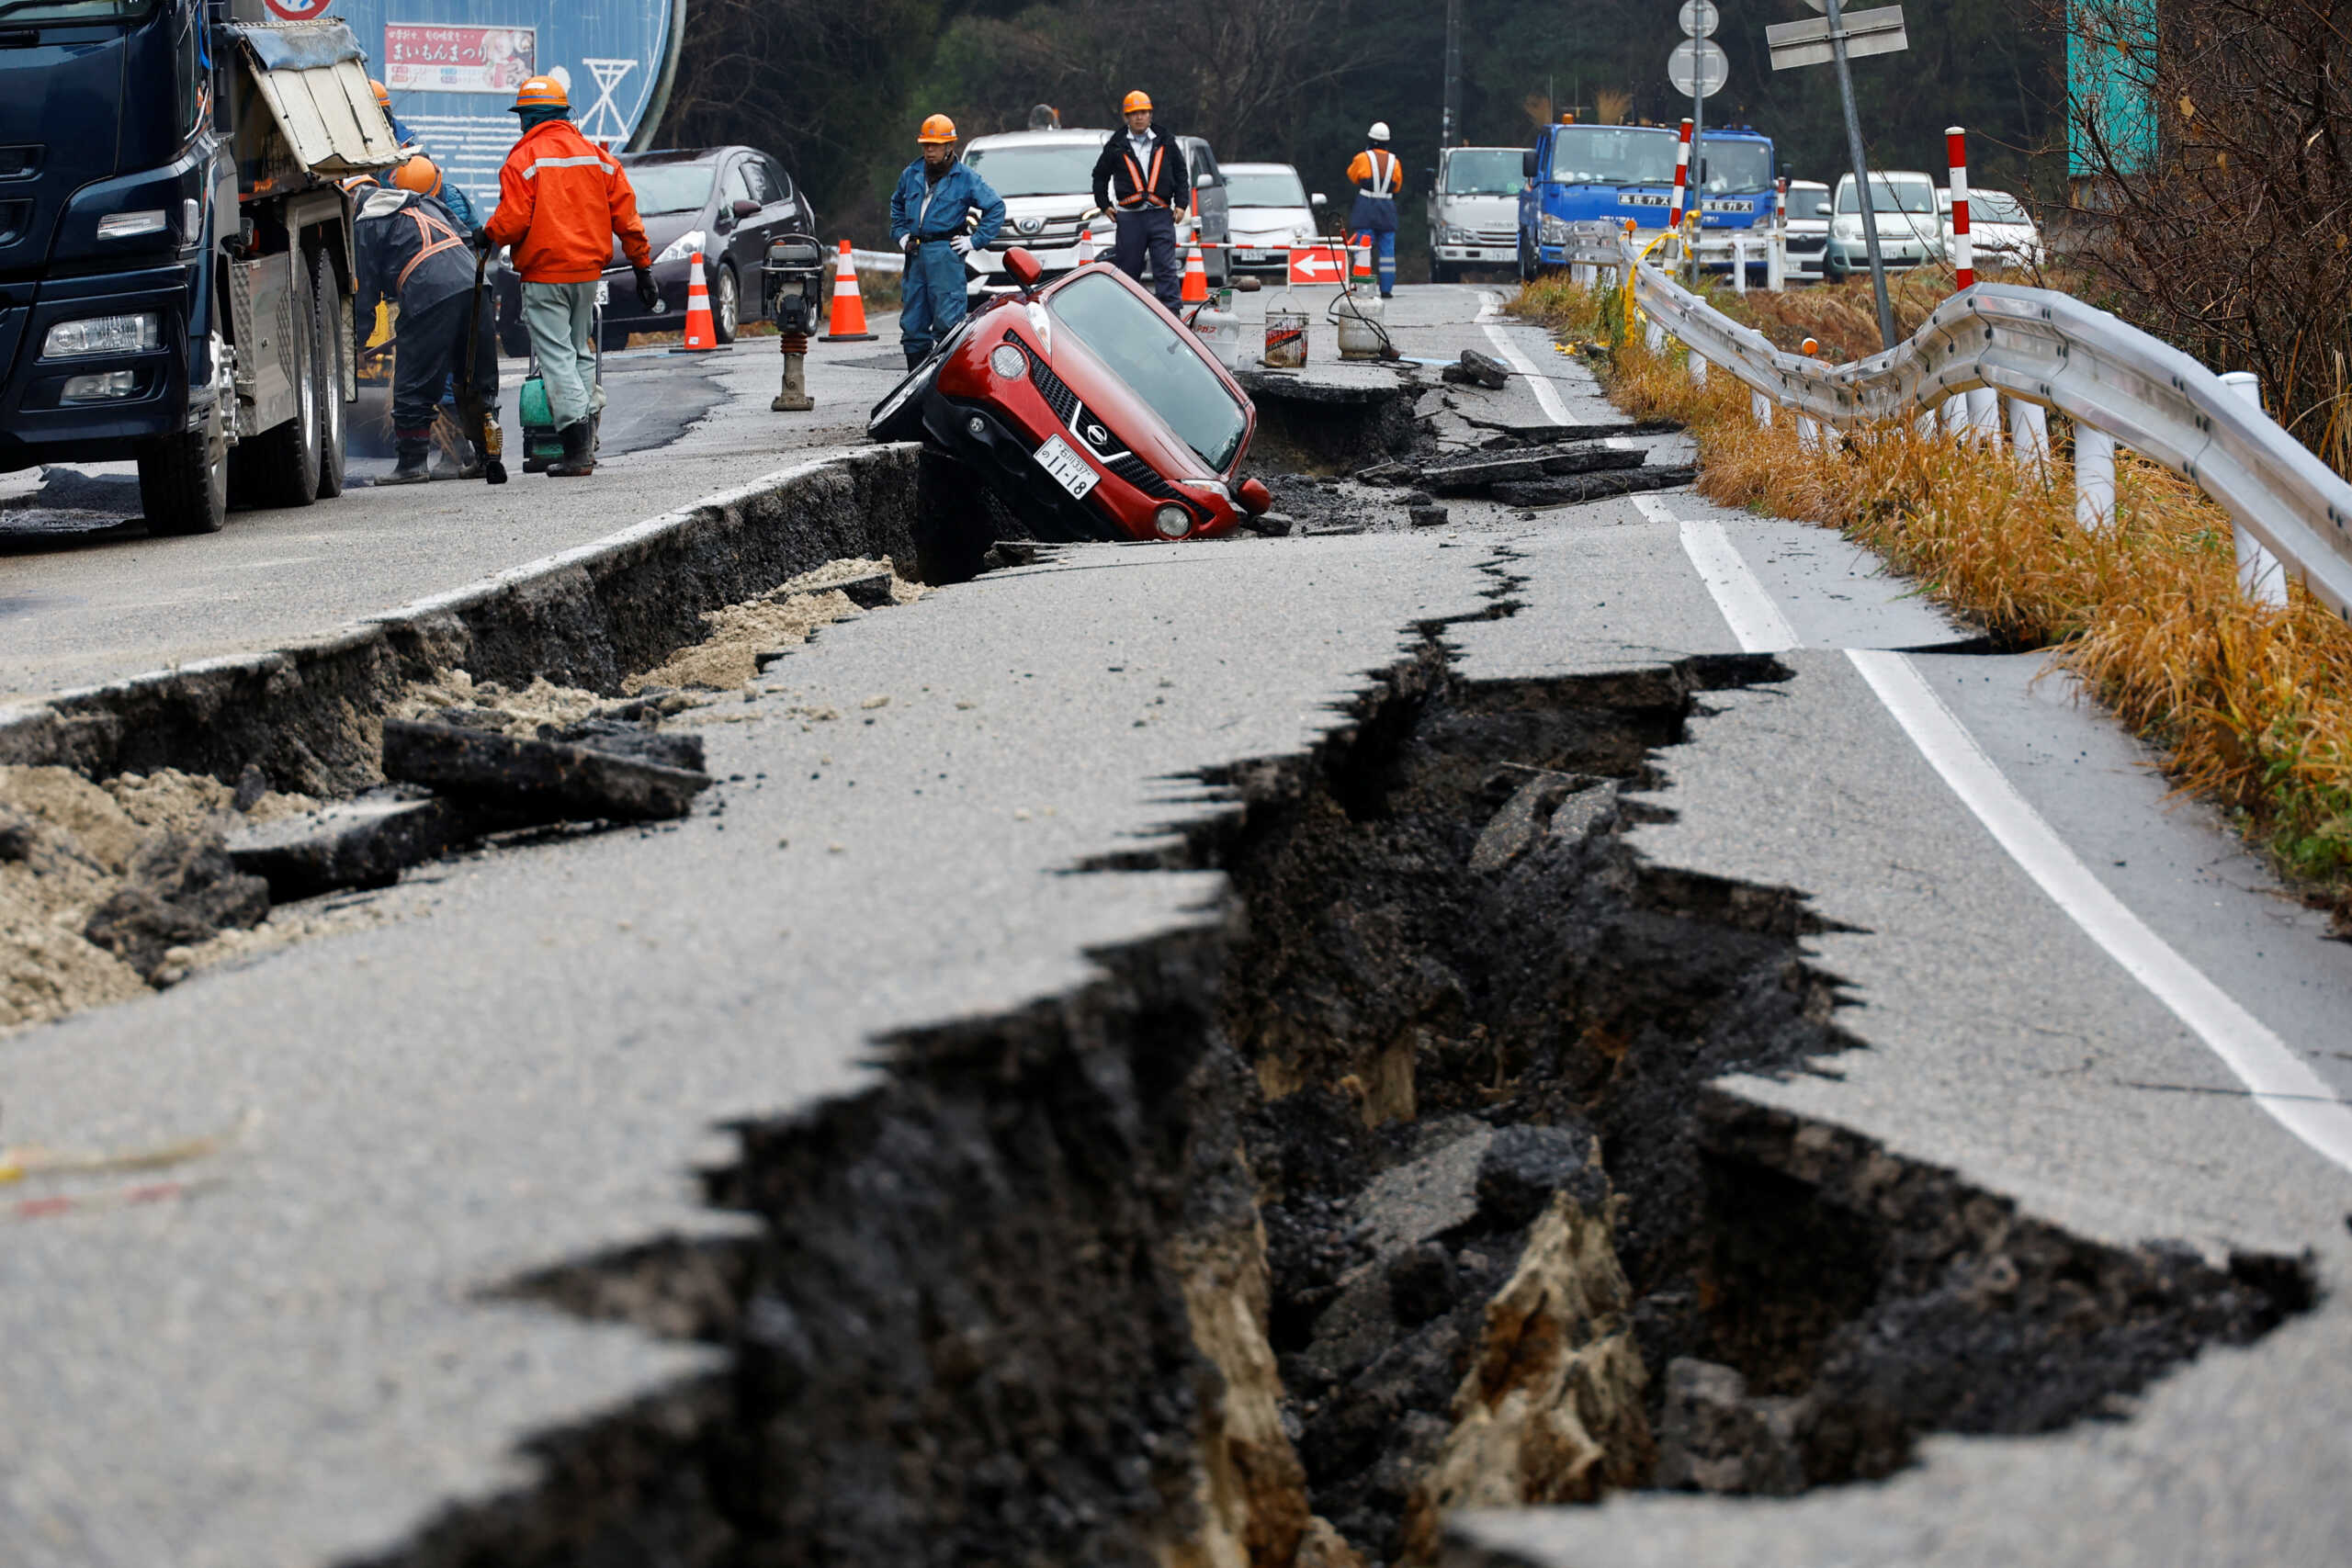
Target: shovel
x,y
480,421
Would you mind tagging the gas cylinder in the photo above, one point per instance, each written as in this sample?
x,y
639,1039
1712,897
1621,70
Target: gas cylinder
x,y
1363,331
1218,328
1285,332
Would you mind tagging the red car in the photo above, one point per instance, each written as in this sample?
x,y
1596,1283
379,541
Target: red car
x,y
1087,409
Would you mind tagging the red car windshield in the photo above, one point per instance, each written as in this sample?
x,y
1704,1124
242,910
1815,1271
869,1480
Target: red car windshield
x,y
1154,359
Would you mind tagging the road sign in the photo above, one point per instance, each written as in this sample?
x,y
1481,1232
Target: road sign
x,y
1807,43
1317,263
1700,19
1700,66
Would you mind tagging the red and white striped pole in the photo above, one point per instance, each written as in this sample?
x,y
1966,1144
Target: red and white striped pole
x,y
1681,177
1963,264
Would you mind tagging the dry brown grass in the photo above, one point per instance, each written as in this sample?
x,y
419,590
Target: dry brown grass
x,y
2251,704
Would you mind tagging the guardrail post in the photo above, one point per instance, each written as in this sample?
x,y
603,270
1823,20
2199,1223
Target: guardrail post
x,y
2094,477
1776,263
1698,367
1955,413
1654,336
2261,577
1984,415
1739,263
1759,408
1808,435
2029,433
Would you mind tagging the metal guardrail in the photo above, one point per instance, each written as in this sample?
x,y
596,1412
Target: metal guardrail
x,y
2050,349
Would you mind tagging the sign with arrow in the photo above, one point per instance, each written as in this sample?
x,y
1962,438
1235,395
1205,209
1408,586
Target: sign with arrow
x,y
1317,263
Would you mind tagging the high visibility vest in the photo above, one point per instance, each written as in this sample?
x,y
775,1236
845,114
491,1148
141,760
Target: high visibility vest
x,y
433,237
1146,187
1383,183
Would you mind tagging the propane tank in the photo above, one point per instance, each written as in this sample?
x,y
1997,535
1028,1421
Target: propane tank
x,y
1285,332
1363,330
1219,329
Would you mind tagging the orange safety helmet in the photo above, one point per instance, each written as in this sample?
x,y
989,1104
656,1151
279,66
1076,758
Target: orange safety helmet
x,y
383,95
1136,100
937,129
419,175
540,92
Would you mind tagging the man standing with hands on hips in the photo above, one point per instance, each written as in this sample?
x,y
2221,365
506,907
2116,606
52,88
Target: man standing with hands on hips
x,y
1141,179
931,219
561,199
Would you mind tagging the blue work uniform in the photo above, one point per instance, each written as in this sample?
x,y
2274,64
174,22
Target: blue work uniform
x,y
931,291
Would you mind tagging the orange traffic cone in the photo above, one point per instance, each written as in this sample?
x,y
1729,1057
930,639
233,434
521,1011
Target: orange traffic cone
x,y
702,333
1361,246
1195,290
848,320
1086,245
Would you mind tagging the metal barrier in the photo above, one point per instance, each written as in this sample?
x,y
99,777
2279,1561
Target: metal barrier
x,y
2049,351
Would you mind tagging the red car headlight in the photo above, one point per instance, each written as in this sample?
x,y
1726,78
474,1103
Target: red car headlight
x,y
1172,522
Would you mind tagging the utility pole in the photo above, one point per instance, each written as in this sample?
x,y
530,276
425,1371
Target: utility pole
x,y
1452,131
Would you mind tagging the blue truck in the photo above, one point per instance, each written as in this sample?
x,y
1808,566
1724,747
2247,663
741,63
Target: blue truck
x,y
1585,174
175,259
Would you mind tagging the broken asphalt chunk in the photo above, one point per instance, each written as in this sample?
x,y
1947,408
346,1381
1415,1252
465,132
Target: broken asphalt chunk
x,y
1477,369
356,843
1591,487
543,780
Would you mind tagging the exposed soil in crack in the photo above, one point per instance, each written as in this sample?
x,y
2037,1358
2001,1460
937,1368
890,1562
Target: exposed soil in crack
x,y
1396,1185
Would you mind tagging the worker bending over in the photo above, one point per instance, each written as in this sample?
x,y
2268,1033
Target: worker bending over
x,y
1377,176
561,200
1142,180
412,254
940,213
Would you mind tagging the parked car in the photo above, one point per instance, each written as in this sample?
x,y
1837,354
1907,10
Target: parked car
x,y
1808,227
1902,209
1268,211
2001,232
1086,410
726,202
1473,209
1046,178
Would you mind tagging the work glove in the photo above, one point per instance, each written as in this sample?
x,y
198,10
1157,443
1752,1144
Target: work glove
x,y
961,244
647,293
481,241
910,245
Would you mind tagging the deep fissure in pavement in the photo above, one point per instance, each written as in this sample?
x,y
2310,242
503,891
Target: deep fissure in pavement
x,y
1392,1186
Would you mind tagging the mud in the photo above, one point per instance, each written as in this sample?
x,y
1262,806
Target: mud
x,y
1396,1186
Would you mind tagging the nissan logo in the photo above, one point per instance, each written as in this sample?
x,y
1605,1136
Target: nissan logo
x,y
1030,225
1097,434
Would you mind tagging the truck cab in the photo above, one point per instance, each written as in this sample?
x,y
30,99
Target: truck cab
x,y
1585,174
173,283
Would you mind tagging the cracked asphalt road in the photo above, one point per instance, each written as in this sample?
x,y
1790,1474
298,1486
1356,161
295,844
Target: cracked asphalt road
x,y
520,1057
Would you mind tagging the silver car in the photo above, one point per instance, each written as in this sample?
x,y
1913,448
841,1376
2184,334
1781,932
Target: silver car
x,y
1902,209
1267,211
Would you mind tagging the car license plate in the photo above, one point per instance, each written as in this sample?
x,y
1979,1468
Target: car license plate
x,y
604,291
1069,470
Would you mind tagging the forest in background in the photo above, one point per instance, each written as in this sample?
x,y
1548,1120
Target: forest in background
x,y
836,90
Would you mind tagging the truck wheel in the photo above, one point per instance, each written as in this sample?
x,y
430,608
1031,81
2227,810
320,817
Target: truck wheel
x,y
330,346
184,481
1526,260
280,466
726,299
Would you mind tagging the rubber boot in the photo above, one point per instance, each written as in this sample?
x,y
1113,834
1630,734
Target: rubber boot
x,y
916,356
579,458
414,449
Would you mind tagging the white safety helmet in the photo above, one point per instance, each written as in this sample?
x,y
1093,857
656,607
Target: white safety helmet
x,y
1379,131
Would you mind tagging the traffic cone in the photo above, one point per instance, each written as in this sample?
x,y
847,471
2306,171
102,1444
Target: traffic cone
x,y
1086,245
848,319
1195,290
702,333
1362,247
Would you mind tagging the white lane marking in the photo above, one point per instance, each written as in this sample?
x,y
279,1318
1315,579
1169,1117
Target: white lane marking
x,y
1489,312
2280,1082
1755,620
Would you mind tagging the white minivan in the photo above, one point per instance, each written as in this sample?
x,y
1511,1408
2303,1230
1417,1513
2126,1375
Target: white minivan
x,y
1903,207
1473,209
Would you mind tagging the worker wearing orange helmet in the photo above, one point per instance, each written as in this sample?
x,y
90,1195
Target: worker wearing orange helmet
x,y
411,253
1141,180
941,212
561,201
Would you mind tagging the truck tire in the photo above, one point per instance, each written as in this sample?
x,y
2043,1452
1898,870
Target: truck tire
x,y
329,347
184,481
280,466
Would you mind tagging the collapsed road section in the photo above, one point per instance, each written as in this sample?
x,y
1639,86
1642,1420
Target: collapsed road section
x,y
1397,1186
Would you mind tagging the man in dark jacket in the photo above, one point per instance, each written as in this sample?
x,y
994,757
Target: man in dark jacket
x,y
1141,180
412,253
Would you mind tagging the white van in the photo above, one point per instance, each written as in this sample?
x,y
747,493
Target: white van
x,y
1473,209
1902,209
2001,232
1046,178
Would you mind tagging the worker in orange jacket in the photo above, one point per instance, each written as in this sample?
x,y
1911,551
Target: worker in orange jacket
x,y
561,199
1376,174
